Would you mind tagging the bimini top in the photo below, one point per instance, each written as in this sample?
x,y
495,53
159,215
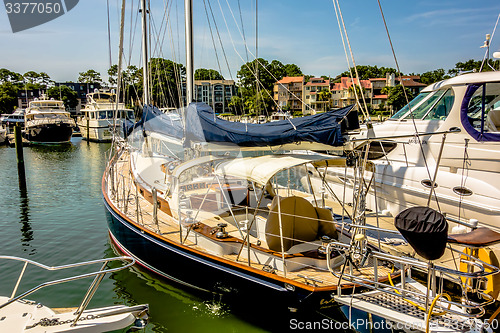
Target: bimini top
x,y
202,125
262,168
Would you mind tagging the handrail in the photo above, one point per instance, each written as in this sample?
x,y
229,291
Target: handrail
x,y
418,296
86,300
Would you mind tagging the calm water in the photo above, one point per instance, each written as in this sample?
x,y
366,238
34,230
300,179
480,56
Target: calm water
x,y
61,220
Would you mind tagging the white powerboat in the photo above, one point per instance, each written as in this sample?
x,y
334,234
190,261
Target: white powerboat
x,y
459,155
18,314
100,120
47,121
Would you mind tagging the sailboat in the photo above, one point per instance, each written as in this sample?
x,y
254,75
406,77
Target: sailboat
x,y
218,207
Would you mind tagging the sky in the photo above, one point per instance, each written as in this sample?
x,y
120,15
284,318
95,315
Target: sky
x,y
426,35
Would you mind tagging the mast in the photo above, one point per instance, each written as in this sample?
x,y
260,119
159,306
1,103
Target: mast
x,y
145,57
188,9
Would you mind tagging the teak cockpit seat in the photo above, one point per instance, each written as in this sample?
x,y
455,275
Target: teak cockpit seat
x,y
480,237
300,220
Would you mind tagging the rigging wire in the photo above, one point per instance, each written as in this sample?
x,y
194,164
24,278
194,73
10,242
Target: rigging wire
x,y
433,188
365,110
212,35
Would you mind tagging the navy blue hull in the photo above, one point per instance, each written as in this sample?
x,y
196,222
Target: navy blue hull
x,y
201,273
50,133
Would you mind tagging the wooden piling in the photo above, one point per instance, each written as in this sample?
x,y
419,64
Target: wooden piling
x,y
20,157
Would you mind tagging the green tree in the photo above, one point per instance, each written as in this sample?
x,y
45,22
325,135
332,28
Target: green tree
x,y
9,76
8,97
64,93
90,76
207,74
396,97
292,70
44,79
259,103
433,76
366,72
323,95
237,105
166,78
113,75
31,77
267,72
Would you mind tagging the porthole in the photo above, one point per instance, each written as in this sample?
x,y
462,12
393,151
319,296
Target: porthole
x,y
463,191
428,183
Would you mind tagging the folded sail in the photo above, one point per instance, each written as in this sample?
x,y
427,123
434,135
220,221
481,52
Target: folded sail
x,y
202,125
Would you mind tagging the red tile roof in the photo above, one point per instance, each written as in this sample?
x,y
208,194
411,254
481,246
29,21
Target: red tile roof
x,y
291,79
346,82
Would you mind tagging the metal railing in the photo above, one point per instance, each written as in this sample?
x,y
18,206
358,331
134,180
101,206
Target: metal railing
x,y
422,298
98,276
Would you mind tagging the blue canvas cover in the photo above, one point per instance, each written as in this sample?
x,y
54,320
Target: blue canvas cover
x,y
202,125
154,120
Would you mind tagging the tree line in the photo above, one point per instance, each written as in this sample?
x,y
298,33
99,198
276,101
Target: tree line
x,y
255,81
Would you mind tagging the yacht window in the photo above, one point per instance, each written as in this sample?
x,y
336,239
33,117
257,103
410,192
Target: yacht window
x,y
420,110
442,109
110,114
483,111
130,115
102,114
412,104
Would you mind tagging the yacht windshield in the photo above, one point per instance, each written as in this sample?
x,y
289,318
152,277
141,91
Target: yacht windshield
x,y
412,104
442,108
427,104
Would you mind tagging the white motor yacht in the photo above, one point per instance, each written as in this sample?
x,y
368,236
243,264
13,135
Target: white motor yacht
x,y
460,162
47,121
99,120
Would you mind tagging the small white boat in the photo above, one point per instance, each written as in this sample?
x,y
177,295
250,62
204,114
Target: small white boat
x,y
280,115
18,314
100,119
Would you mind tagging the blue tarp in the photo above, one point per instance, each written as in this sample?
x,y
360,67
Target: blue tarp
x,y
154,120
203,126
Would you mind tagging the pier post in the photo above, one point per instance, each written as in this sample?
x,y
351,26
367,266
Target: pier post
x,y
20,157
88,129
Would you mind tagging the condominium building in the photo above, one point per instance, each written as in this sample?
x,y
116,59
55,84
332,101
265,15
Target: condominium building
x,y
317,96
343,93
216,93
288,93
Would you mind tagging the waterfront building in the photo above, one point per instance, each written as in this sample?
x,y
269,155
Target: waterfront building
x,y
287,93
216,93
317,96
343,92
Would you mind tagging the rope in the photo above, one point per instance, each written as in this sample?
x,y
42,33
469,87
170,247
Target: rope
x,y
427,322
420,307
339,14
